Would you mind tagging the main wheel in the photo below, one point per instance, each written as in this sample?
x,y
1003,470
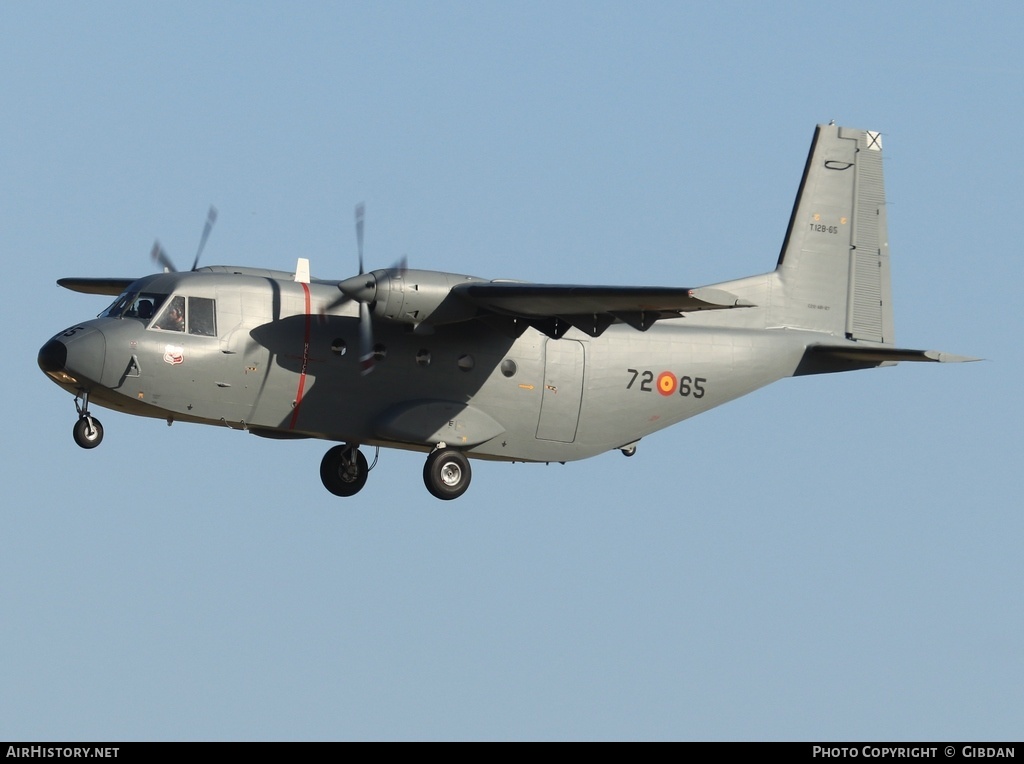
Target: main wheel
x,y
86,435
342,474
447,474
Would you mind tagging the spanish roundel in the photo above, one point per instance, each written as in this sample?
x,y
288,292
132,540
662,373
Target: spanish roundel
x,y
666,383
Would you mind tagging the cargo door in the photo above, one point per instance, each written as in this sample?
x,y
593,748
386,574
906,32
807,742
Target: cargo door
x,y
563,390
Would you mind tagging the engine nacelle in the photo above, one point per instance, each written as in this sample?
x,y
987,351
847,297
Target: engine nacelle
x,y
412,296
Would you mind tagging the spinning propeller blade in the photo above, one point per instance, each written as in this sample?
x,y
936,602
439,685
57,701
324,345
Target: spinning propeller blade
x,y
160,256
360,216
362,288
365,340
211,218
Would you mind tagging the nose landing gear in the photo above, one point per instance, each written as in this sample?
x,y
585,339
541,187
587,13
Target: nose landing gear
x,y
87,432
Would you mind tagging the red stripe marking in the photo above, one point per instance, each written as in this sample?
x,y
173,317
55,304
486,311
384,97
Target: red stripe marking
x,y
305,362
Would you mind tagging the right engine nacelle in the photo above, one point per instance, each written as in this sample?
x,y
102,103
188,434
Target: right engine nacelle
x,y
411,296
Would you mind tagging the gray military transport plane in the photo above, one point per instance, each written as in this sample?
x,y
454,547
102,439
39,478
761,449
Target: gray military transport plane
x,y
470,367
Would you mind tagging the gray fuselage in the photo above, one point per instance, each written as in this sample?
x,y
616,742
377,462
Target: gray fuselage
x,y
276,364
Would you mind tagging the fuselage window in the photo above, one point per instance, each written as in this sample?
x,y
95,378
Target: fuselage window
x,y
202,316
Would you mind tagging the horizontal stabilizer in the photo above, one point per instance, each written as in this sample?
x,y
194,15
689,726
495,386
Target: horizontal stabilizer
x,y
112,287
822,359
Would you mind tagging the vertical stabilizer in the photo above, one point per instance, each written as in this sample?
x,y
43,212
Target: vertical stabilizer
x,y
834,266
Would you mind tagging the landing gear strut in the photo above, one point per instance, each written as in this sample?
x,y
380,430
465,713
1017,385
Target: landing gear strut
x,y
446,473
88,432
343,470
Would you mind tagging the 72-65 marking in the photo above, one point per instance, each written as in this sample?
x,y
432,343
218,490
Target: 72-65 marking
x,y
666,383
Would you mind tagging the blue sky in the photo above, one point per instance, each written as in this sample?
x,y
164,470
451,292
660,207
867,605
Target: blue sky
x,y
832,557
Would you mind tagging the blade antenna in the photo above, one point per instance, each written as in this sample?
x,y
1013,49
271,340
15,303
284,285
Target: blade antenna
x,y
211,218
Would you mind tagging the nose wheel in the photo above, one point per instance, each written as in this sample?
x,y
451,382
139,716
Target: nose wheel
x,y
446,473
87,432
344,470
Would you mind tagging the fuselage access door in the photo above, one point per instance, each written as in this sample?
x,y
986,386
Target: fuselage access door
x,y
564,362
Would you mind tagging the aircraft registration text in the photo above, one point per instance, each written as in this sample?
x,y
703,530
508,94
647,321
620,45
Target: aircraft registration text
x,y
666,383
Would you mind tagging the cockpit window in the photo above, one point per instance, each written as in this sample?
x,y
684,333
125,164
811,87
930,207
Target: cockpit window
x,y
143,305
173,318
202,316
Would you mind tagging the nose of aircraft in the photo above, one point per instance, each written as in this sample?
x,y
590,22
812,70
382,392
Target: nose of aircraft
x,y
53,356
75,356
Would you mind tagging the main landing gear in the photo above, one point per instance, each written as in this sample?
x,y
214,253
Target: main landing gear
x,y
446,474
88,432
343,470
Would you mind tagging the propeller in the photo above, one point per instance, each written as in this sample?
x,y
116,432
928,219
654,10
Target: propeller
x,y
360,217
211,218
159,254
362,288
366,360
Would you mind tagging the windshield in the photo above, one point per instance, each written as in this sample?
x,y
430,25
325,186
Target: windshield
x,y
141,305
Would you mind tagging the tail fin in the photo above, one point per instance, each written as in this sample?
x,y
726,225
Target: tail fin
x,y
833,271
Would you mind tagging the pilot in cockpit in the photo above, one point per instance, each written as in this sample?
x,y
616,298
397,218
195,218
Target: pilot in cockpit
x,y
174,319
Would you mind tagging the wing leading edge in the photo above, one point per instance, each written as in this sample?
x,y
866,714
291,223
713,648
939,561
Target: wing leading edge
x,y
553,308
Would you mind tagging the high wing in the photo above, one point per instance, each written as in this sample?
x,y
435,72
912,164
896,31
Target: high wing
x,y
553,308
112,287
